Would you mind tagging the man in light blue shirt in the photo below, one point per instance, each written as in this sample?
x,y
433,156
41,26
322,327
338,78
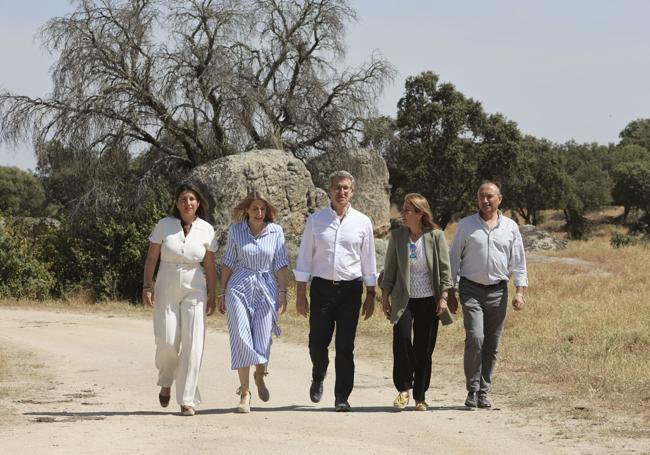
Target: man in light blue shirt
x,y
486,250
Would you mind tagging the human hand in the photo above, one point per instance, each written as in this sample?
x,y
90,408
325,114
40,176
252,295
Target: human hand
x,y
282,301
441,306
452,301
385,307
209,310
147,296
518,301
302,305
368,306
221,304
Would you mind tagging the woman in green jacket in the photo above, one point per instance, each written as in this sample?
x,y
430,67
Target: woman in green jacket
x,y
414,295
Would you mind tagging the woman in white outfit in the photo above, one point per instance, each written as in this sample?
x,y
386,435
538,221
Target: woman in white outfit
x,y
183,293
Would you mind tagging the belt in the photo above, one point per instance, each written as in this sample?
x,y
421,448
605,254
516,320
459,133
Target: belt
x,y
484,286
338,282
181,265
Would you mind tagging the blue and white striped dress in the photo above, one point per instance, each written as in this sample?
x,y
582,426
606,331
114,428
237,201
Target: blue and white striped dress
x,y
252,291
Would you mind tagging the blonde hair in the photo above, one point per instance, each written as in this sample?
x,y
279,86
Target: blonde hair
x,y
421,205
239,212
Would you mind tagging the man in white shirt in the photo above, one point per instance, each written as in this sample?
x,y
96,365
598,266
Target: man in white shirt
x,y
338,252
486,250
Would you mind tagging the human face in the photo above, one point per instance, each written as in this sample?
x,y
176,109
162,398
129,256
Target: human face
x,y
489,198
411,216
256,212
187,204
340,193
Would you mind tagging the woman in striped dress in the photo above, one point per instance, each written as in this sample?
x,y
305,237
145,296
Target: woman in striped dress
x,y
255,251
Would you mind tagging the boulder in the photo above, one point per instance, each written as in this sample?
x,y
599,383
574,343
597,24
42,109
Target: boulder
x,y
283,179
536,239
372,192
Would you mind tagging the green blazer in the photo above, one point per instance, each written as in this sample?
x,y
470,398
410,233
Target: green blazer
x,y
397,269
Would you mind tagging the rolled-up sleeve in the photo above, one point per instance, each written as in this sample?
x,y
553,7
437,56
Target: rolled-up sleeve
x,y
368,257
518,260
305,259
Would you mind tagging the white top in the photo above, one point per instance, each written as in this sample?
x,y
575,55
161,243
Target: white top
x,y
488,256
419,271
178,249
336,249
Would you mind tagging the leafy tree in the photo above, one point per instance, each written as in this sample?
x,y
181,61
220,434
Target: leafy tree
x,y
541,180
21,193
23,274
447,145
632,185
589,185
194,80
637,132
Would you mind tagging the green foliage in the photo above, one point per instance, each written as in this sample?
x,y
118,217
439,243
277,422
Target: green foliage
x,y
632,185
104,256
21,194
23,274
622,240
636,132
588,188
540,182
447,145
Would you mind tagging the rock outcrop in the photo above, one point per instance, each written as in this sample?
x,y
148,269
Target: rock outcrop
x,y
536,239
283,179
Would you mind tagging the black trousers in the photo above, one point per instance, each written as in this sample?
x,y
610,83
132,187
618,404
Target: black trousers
x,y
334,306
412,356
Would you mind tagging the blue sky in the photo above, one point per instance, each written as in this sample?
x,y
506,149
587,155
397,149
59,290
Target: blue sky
x,y
562,69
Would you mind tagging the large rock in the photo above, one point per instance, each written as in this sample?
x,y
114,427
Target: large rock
x,y
283,179
372,192
536,239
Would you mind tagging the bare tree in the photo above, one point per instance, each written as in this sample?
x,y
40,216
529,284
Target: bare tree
x,y
197,79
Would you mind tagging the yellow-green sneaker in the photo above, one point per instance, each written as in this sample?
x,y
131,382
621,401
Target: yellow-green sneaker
x,y
401,400
421,406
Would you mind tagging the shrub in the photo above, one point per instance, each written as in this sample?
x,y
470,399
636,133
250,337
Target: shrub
x,y
23,274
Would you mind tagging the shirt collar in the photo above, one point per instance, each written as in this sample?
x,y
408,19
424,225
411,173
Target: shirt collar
x,y
336,215
484,224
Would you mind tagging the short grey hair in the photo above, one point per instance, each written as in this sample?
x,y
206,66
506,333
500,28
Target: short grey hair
x,y
497,185
340,175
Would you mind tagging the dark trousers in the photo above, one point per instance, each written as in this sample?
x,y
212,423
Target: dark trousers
x,y
334,306
412,357
484,314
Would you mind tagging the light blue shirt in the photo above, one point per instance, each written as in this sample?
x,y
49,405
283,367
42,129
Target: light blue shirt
x,y
488,256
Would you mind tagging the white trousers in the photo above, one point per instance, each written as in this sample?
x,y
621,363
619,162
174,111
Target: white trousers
x,y
179,327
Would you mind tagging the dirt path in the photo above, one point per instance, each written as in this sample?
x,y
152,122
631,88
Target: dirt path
x,y
97,395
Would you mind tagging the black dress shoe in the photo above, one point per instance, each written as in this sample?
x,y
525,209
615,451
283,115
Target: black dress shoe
x,y
316,391
471,400
342,406
483,402
164,400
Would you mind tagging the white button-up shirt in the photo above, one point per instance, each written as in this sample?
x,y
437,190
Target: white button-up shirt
x,y
337,249
178,248
488,256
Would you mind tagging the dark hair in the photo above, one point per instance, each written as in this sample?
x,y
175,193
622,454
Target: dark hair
x,y
201,211
239,212
421,205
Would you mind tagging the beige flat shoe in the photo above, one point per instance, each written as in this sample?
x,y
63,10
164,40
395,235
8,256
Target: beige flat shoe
x,y
262,390
244,403
401,400
187,410
421,406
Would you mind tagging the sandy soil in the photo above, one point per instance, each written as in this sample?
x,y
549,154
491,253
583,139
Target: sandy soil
x,y
94,393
